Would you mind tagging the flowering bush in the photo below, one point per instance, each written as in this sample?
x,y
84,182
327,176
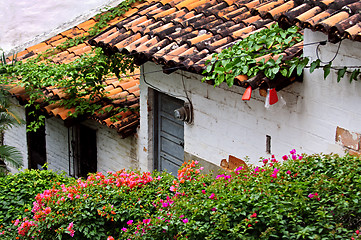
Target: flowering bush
x,y
304,197
17,192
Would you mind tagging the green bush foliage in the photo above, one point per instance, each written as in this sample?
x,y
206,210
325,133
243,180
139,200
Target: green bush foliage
x,y
304,197
18,191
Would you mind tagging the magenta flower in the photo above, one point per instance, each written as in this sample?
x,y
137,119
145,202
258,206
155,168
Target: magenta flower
x,y
285,157
70,229
274,174
212,196
288,172
185,220
130,222
204,191
300,157
256,169
124,229
293,151
146,221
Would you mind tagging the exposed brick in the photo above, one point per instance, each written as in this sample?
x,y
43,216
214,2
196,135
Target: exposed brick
x,y
224,164
235,162
354,153
232,163
348,139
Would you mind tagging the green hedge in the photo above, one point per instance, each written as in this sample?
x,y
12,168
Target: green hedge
x,y
18,191
305,197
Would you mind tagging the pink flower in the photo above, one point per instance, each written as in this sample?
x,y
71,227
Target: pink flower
x,y
293,151
311,195
254,215
204,191
274,174
300,157
70,229
146,221
124,229
181,216
357,232
256,169
288,172
130,222
285,157
212,196
294,157
214,209
185,220
172,188
47,210
16,222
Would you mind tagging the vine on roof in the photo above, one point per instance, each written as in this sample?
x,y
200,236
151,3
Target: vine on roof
x,y
241,58
82,81
260,52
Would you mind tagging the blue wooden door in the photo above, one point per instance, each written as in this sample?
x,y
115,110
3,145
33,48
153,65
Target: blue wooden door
x,y
169,134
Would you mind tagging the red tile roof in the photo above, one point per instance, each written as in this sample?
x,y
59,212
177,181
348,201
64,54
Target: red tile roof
x,y
185,33
120,92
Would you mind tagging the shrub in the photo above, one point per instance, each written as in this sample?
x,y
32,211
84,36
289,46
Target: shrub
x,y
18,191
305,197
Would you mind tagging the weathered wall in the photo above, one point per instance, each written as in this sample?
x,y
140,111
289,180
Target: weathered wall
x,y
113,152
225,125
25,23
57,150
16,136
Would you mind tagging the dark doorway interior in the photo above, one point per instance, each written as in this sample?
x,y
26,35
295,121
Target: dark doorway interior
x,y
36,142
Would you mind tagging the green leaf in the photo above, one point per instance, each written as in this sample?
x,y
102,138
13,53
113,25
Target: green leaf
x,y
326,70
315,64
341,73
301,66
354,75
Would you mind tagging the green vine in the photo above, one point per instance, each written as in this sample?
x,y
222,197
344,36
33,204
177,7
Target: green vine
x,y
81,81
241,58
341,71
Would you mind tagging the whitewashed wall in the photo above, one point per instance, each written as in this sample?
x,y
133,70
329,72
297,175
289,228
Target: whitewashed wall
x,y
113,152
16,136
57,150
25,23
225,125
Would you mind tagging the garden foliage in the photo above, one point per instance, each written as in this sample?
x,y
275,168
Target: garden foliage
x,y
304,197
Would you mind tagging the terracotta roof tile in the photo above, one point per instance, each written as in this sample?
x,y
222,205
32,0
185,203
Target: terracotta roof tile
x,y
121,93
185,33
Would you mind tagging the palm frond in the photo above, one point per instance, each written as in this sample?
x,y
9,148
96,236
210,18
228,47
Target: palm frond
x,y
11,155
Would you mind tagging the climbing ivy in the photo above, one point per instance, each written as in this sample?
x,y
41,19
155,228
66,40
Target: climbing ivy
x,y
241,58
248,57
341,71
81,81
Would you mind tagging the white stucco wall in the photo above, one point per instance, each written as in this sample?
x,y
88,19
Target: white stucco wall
x,y
26,23
16,136
113,152
57,150
225,125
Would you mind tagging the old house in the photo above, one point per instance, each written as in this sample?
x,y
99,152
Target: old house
x,y
182,117
103,141
171,41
